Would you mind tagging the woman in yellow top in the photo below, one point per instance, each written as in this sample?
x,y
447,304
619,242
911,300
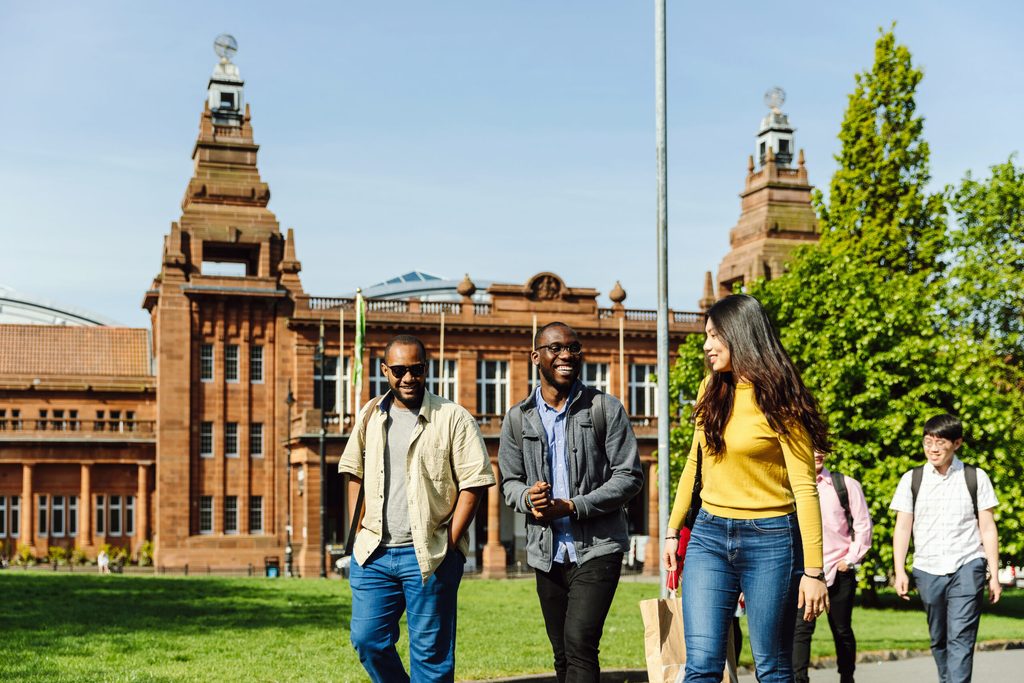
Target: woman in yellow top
x,y
757,427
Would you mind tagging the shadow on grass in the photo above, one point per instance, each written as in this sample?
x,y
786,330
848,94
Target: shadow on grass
x,y
1011,604
91,604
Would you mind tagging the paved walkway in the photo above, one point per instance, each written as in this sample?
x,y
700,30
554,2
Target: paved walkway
x,y
995,667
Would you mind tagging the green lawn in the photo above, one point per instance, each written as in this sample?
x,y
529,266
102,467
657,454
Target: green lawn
x,y
82,627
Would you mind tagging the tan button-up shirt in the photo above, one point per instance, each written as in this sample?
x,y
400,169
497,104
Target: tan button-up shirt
x,y
446,454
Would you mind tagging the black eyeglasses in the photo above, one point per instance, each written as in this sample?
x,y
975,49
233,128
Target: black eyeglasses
x,y
574,348
399,371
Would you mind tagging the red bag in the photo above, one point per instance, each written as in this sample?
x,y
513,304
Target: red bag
x,y
672,581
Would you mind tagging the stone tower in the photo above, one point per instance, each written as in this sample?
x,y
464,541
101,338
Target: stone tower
x,y
227,284
776,214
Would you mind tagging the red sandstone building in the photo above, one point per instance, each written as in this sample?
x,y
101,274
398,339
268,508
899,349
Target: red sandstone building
x,y
203,435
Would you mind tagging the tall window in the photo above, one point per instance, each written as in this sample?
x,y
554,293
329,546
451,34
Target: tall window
x,y
255,514
57,516
57,423
114,514
3,419
492,387
206,440
378,382
596,375
446,386
43,516
72,515
101,516
256,364
3,516
329,379
231,362
15,525
129,515
231,440
206,514
231,514
206,363
642,390
256,440
41,422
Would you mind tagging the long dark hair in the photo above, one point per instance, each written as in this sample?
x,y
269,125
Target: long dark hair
x,y
757,357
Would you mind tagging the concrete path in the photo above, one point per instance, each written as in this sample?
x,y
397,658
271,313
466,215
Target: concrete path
x,y
994,667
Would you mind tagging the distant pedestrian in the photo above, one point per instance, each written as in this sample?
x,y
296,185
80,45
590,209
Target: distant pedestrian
x,y
569,462
846,538
103,562
947,507
423,467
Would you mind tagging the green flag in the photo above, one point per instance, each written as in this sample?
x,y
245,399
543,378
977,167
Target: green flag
x,y
357,361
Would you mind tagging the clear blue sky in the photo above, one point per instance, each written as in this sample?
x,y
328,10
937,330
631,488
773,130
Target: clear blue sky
x,y
499,139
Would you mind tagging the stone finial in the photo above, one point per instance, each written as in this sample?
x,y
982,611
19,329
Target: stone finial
x,y
708,300
800,158
618,294
466,287
289,264
750,164
771,155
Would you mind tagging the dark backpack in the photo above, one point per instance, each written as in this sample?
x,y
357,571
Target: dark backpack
x,y
839,484
970,476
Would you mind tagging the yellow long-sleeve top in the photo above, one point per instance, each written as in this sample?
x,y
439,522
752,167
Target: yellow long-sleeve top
x,y
761,474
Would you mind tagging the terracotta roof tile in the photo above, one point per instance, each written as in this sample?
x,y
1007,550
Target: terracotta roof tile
x,y
63,350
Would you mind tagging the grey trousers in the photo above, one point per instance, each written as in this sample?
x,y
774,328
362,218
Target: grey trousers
x,y
953,605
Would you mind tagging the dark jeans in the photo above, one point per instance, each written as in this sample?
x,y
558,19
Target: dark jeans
x,y
575,600
840,594
953,604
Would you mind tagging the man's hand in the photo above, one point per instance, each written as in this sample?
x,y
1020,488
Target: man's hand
x,y
538,498
902,584
557,507
995,589
843,566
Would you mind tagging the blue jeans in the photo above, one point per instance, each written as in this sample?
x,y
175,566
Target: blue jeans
x,y
953,604
762,558
390,583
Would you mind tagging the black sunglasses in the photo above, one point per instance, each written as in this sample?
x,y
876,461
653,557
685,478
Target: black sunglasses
x,y
574,348
399,371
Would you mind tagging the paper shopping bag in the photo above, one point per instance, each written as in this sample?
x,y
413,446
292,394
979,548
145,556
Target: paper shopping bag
x,y
663,639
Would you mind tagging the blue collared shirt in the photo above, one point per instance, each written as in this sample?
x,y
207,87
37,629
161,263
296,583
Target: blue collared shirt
x,y
555,428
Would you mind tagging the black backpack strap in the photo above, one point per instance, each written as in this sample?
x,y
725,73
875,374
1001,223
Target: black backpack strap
x,y
971,476
839,484
515,423
357,511
597,415
916,475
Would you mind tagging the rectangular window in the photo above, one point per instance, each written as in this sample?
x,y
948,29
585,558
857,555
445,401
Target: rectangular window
x,y
3,517
443,380
256,364
15,525
57,423
72,515
596,375
206,363
329,379
73,420
15,419
255,514
129,421
206,440
3,419
114,513
256,440
642,390
492,387
206,514
41,422
57,516
114,424
231,363
129,515
101,516
100,423
378,382
231,514
44,516
231,440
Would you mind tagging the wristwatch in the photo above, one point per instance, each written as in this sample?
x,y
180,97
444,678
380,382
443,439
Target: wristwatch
x,y
820,576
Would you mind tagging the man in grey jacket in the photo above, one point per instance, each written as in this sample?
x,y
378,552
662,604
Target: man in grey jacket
x,y
569,462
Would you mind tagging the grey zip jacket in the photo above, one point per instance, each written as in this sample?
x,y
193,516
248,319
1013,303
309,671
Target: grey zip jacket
x,y
603,477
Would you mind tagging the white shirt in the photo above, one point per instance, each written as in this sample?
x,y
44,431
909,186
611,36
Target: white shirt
x,y
946,533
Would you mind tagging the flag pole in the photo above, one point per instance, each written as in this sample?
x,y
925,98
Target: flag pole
x,y
662,228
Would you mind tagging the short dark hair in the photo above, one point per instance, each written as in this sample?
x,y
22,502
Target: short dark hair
x,y
545,328
406,339
944,426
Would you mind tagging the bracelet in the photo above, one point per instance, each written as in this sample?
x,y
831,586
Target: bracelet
x,y
529,503
671,538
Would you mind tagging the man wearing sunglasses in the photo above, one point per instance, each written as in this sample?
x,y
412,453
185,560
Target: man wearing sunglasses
x,y
423,467
569,462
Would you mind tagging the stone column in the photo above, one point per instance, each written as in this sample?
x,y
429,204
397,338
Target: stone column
x,y
27,508
494,551
142,507
652,554
85,508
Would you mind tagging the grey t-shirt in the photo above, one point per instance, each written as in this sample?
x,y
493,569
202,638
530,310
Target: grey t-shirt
x,y
400,425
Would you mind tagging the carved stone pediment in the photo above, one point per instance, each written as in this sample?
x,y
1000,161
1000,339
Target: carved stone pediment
x,y
545,287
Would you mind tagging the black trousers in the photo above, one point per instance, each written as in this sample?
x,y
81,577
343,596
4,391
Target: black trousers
x,y
575,600
840,616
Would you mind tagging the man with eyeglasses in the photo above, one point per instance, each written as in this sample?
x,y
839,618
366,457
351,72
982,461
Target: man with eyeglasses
x,y
423,468
947,507
569,462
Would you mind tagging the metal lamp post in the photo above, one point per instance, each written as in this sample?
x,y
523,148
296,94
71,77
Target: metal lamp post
x,y
288,567
323,456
